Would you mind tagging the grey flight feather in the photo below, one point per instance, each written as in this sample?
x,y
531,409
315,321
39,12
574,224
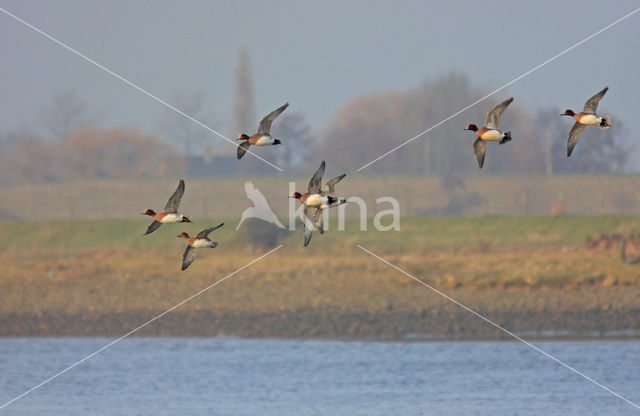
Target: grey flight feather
x,y
174,201
315,184
207,231
480,150
493,116
265,123
152,227
574,136
591,106
189,256
332,183
311,221
242,148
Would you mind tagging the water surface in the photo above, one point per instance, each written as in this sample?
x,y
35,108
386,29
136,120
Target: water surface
x,y
213,376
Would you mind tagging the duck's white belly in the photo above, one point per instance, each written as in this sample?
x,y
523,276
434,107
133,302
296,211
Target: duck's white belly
x,y
171,218
493,135
589,119
315,200
203,244
264,140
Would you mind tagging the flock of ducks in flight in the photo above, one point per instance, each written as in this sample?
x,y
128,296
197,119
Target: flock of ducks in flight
x,y
491,133
319,196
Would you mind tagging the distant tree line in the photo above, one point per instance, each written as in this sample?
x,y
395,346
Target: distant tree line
x,y
72,144
368,126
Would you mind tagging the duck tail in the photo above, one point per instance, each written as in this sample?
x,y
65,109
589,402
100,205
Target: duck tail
x,y
506,138
605,122
334,201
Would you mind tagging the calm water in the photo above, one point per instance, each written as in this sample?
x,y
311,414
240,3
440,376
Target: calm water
x,y
210,376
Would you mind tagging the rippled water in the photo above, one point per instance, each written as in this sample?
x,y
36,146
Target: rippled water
x,y
212,376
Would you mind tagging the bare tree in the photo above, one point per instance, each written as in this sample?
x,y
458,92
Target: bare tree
x,y
244,112
188,136
65,113
89,153
599,151
298,141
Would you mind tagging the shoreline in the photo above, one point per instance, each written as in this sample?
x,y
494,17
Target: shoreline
x,y
442,324
427,339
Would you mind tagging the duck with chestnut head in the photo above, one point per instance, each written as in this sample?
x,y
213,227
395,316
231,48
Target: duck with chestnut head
x,y
170,214
201,240
317,198
489,132
587,117
263,136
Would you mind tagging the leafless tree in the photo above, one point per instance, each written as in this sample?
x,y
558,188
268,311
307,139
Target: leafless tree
x,y
186,135
65,113
298,141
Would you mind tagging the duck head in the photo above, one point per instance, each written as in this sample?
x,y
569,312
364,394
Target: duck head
x,y
568,113
471,127
183,235
242,137
295,195
149,212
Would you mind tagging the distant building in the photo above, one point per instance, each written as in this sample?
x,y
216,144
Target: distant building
x,y
208,165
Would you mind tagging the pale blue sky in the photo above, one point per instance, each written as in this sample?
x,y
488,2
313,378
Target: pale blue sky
x,y
316,55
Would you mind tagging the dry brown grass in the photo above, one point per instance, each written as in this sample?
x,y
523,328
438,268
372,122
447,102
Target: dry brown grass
x,y
225,198
525,268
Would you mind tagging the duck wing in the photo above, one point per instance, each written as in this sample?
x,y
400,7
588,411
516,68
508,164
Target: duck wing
x,y
265,124
574,136
207,231
242,149
174,201
332,183
189,256
152,227
312,221
493,116
591,106
315,184
480,150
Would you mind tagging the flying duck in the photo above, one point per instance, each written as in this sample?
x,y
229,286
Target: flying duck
x,y
170,214
490,131
586,117
315,200
263,135
201,240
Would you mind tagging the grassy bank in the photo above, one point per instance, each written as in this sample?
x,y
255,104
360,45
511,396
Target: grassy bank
x,y
530,274
480,194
